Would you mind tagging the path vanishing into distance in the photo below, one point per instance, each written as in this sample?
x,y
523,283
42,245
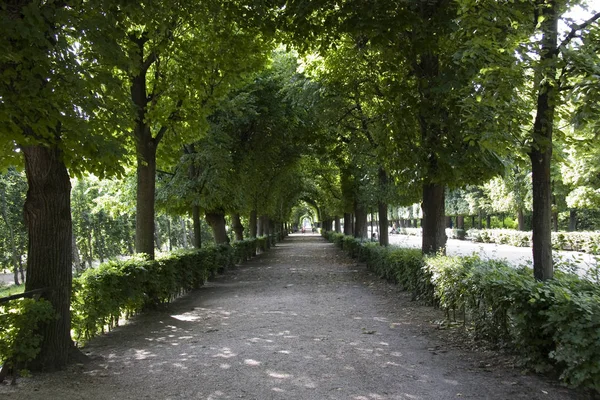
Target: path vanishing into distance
x,y
302,321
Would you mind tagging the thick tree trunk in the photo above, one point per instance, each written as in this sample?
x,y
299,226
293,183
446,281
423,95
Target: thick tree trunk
x,y
572,220
146,172
360,225
434,234
384,239
50,258
460,222
348,224
541,148
252,224
216,220
338,227
236,225
520,219
197,224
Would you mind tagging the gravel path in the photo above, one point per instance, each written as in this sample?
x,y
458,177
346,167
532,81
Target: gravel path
x,y
299,322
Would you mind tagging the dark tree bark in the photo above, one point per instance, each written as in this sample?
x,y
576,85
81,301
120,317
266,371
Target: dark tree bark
x,y
338,228
197,227
541,148
434,234
382,208
50,258
460,222
348,224
360,225
238,228
488,221
572,220
252,224
216,220
146,166
555,221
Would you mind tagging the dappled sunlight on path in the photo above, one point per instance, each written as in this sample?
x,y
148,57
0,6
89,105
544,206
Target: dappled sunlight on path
x,y
301,321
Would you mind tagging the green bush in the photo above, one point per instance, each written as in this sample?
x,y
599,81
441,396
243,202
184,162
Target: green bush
x,y
19,321
552,325
119,289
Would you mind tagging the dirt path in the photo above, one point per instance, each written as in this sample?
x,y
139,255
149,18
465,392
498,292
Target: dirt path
x,y
300,322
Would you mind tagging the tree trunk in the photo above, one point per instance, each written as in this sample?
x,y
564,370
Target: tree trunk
x,y
360,226
146,173
216,220
157,238
572,220
460,222
252,224
237,226
434,234
184,234
129,239
555,221
261,226
348,224
169,233
488,221
50,257
541,148
382,208
197,227
520,219
11,238
338,228
76,258
384,239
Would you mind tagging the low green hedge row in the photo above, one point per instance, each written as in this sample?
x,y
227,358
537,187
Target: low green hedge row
x,y
19,320
588,242
117,289
552,325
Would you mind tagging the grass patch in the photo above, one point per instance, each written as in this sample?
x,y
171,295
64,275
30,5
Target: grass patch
x,y
6,291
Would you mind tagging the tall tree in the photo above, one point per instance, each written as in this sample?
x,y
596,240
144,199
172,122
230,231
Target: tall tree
x,y
48,107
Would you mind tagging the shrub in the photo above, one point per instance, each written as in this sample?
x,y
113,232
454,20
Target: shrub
x,y
19,321
552,325
115,289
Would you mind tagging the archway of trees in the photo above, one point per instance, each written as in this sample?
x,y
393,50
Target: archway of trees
x,y
136,125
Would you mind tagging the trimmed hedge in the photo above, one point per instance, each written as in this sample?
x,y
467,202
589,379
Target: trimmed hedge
x,y
117,289
587,242
552,325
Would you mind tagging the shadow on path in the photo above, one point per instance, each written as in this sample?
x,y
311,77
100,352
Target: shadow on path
x,y
299,322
